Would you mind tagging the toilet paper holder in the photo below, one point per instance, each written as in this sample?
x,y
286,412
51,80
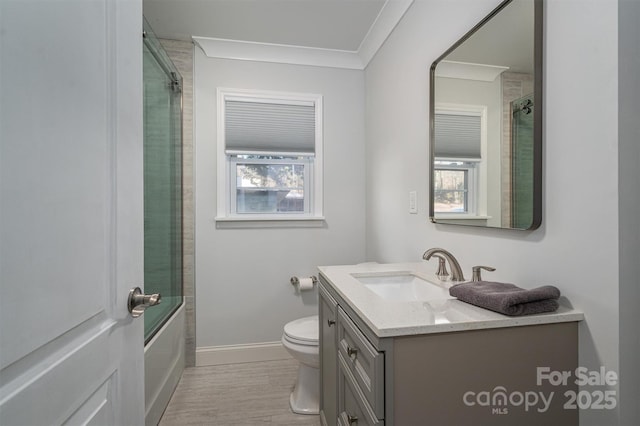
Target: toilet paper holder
x,y
295,280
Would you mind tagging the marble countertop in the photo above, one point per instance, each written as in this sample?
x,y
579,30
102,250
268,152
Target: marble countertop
x,y
436,312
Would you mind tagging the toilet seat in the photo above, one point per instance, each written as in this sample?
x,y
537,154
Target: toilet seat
x,y
303,331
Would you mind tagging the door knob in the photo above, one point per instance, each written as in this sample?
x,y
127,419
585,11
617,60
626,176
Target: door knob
x,y
139,301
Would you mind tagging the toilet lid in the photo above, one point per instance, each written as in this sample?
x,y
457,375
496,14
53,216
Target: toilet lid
x,y
303,329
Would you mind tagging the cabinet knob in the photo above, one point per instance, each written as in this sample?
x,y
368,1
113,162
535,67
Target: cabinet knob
x,y
352,352
330,322
352,419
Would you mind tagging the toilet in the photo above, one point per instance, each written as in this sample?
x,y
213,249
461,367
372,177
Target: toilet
x,y
300,339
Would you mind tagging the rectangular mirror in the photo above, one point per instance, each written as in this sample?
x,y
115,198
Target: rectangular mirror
x,y
486,123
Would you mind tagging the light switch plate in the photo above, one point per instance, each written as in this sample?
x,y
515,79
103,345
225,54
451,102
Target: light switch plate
x,y
413,202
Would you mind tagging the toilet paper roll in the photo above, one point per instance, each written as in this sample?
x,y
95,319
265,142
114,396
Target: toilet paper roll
x,y
305,284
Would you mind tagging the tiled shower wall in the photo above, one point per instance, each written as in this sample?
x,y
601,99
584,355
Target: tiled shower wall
x,y
181,54
514,86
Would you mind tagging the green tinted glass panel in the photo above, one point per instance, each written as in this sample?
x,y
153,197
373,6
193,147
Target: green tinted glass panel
x,y
162,184
522,163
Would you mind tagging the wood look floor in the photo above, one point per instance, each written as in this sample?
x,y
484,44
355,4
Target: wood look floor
x,y
237,394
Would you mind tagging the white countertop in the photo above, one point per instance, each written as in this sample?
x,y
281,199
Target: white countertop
x,y
437,313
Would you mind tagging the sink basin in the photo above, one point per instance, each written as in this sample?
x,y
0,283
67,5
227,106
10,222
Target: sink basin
x,y
402,286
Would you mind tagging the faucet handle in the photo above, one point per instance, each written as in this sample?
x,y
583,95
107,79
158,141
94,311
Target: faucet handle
x,y
476,276
442,272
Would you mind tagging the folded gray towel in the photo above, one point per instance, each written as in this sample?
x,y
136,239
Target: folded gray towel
x,y
508,299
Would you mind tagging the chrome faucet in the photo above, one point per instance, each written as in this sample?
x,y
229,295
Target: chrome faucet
x,y
456,270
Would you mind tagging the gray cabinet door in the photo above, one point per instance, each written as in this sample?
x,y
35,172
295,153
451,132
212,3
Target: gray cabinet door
x,y
328,358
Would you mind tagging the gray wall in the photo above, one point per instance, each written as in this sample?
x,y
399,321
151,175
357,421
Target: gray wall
x,y
577,247
243,295
629,208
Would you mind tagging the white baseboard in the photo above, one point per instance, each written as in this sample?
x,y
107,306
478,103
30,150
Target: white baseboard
x,y
235,354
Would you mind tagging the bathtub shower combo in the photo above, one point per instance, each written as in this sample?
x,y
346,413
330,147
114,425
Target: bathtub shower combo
x,y
164,323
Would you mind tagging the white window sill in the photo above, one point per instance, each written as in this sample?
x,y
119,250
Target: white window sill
x,y
454,216
265,221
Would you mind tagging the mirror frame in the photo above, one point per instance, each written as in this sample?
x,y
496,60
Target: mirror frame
x,y
537,120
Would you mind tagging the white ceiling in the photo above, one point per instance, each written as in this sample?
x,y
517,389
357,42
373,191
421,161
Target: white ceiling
x,y
507,40
327,24
341,33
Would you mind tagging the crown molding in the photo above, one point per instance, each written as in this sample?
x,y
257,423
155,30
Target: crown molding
x,y
469,71
390,14
279,53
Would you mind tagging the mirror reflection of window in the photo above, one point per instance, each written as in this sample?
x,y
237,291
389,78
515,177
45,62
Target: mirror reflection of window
x,y
453,187
458,159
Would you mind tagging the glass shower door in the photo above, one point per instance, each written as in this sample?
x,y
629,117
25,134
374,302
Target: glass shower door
x,y
162,183
522,163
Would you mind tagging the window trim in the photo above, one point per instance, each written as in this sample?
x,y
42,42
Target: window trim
x,y
225,215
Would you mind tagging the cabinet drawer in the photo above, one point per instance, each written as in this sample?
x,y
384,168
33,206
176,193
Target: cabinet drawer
x,y
363,361
353,409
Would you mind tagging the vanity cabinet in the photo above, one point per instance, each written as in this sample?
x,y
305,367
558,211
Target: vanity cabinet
x,y
351,369
459,378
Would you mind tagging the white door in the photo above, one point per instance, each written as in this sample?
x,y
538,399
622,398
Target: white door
x,y
71,214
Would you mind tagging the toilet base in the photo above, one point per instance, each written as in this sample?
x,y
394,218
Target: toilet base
x,y
305,398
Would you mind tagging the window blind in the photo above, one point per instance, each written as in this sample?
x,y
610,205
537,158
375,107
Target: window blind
x,y
262,126
457,136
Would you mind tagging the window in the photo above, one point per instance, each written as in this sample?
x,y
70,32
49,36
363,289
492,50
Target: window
x,y
269,156
455,186
458,159
270,184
